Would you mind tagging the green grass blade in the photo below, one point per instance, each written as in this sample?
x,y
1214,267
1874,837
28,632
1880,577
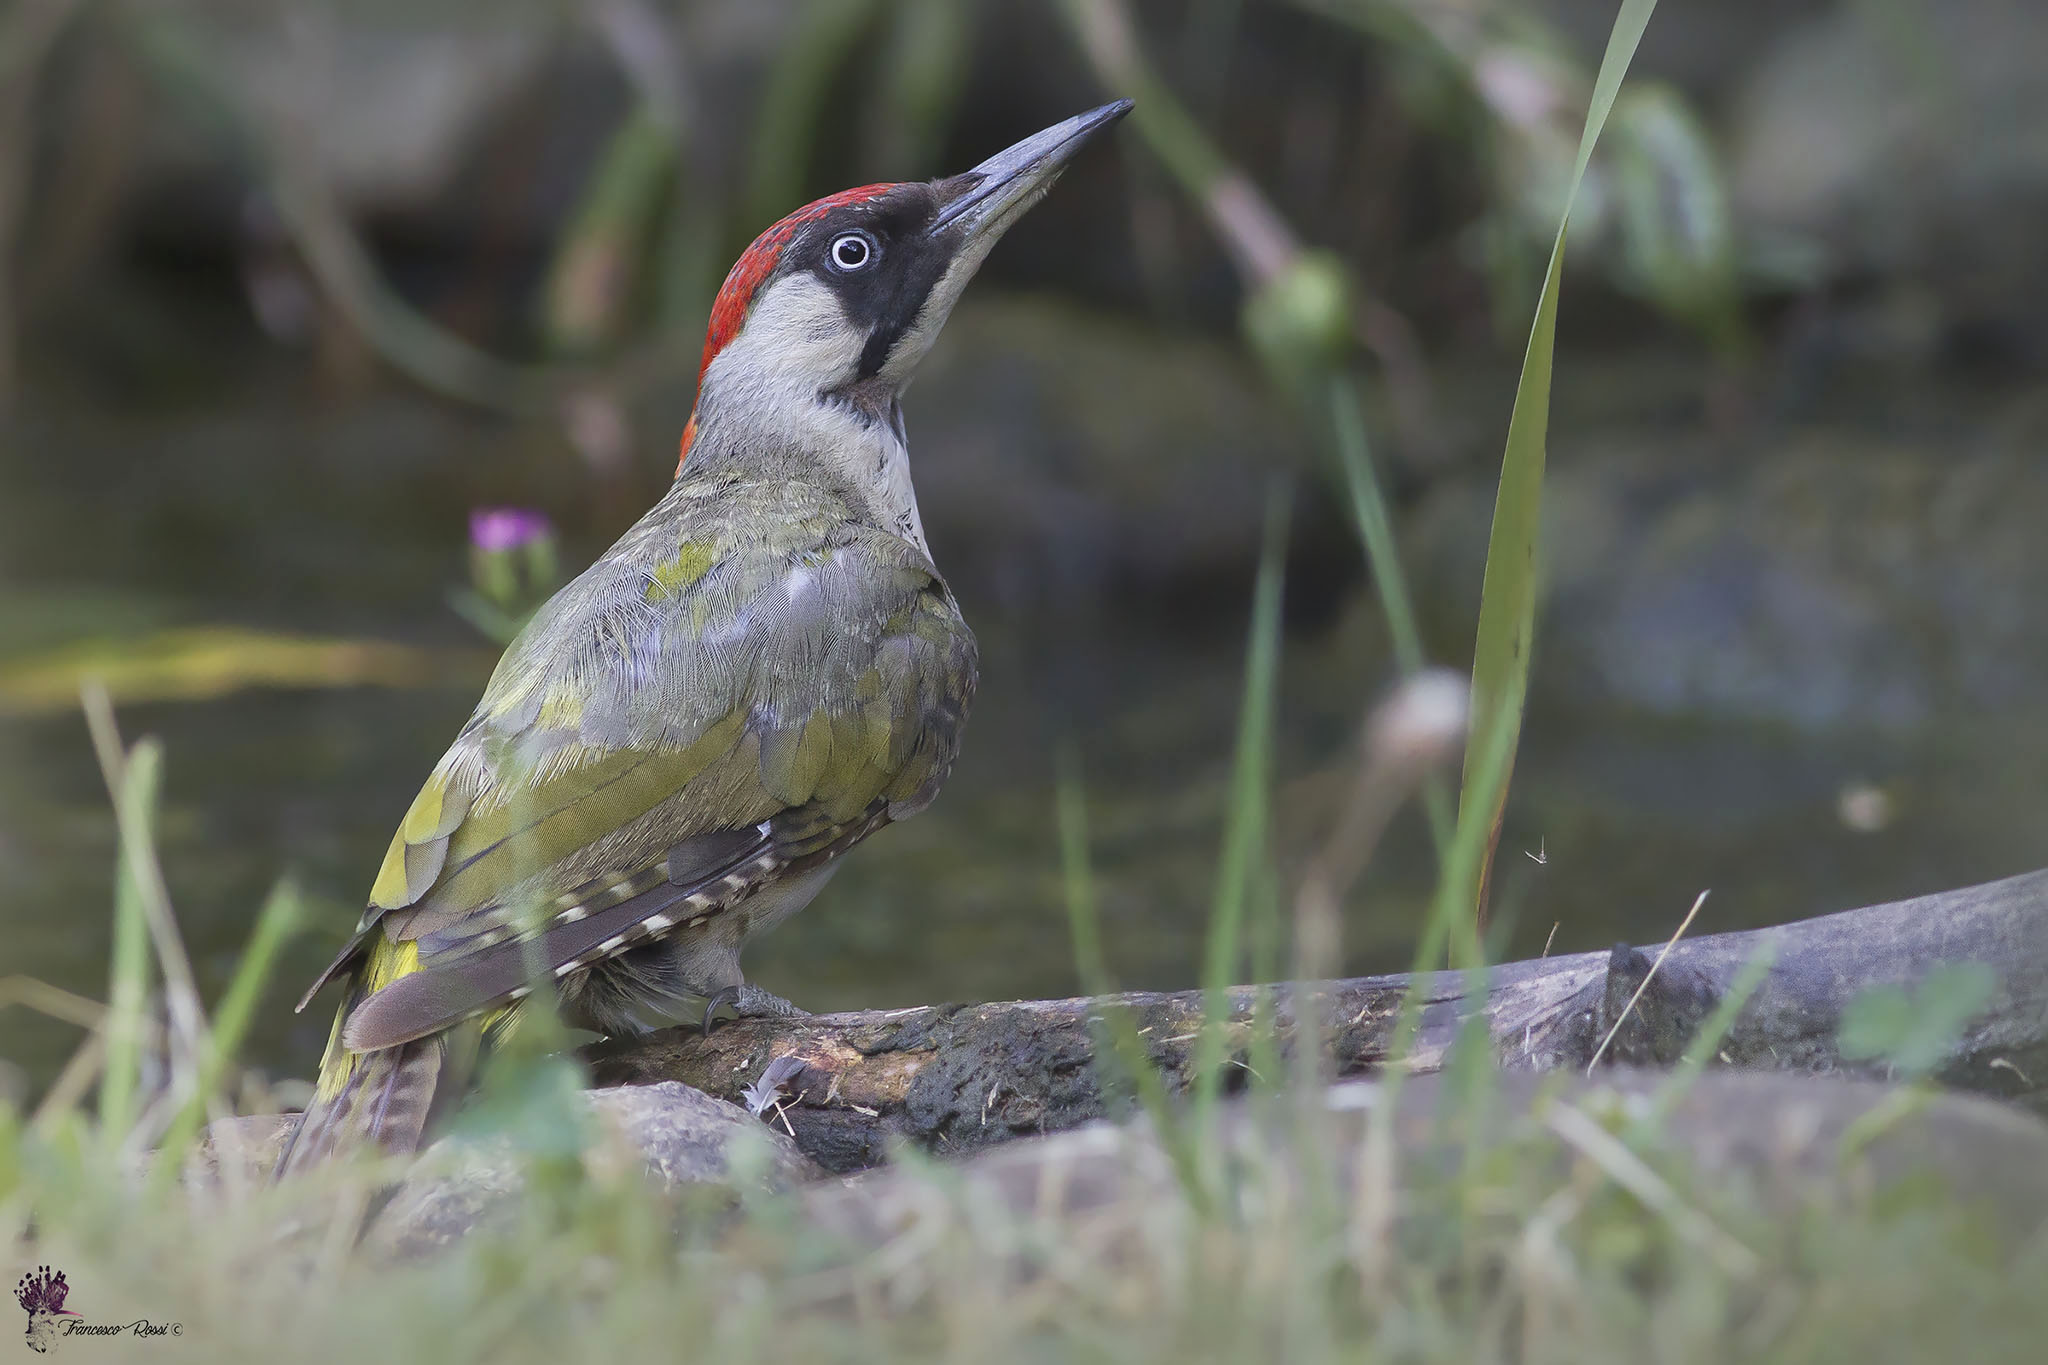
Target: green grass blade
x,y
1507,604
820,43
1705,1043
1077,877
278,920
1263,1051
1450,922
129,979
1244,834
929,53
1376,1190
599,260
1071,809
1375,527
1383,558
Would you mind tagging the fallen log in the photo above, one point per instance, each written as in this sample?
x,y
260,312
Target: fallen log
x,y
955,1078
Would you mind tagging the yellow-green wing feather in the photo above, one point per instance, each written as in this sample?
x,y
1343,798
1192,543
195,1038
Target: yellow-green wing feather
x,y
700,677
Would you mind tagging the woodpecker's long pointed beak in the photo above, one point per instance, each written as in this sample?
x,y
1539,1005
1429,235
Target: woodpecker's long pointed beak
x,y
997,192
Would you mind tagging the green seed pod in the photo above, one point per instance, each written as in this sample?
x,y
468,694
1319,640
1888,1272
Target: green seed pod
x,y
1299,321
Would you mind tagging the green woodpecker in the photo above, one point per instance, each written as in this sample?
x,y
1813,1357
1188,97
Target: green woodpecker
x,y
676,751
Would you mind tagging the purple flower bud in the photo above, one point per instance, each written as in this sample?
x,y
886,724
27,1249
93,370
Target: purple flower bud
x,y
498,529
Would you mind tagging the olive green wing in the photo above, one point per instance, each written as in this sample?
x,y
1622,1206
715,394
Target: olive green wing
x,y
689,728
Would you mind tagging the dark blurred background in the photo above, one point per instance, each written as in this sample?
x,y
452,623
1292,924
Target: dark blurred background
x,y
288,290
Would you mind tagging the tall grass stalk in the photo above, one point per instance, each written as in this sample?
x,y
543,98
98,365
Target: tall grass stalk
x,y
1375,528
129,980
135,831
1263,1049
1507,602
1500,678
1244,832
1448,920
1706,1043
801,80
1383,558
276,923
1083,921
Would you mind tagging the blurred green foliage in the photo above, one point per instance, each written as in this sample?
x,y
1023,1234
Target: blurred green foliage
x,y
638,250
1916,1030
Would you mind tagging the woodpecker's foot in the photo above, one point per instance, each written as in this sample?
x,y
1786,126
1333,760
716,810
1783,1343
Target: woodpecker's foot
x,y
750,1002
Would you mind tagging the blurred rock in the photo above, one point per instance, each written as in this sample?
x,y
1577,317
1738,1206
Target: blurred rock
x,y
681,1137
1782,1140
1822,577
684,1136
1776,1141
1905,141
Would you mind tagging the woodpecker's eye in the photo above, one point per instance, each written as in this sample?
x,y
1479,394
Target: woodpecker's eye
x,y
853,251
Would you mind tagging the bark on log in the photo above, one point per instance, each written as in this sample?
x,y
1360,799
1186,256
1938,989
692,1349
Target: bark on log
x,y
954,1078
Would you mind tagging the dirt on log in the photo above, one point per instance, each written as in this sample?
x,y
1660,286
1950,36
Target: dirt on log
x,y
955,1078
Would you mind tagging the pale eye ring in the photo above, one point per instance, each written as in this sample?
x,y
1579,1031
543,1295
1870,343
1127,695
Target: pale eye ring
x,y
852,251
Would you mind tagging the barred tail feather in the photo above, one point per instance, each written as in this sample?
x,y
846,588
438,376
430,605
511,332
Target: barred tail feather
x,y
388,1099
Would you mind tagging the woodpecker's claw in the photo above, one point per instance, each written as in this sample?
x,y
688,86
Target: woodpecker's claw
x,y
749,1001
